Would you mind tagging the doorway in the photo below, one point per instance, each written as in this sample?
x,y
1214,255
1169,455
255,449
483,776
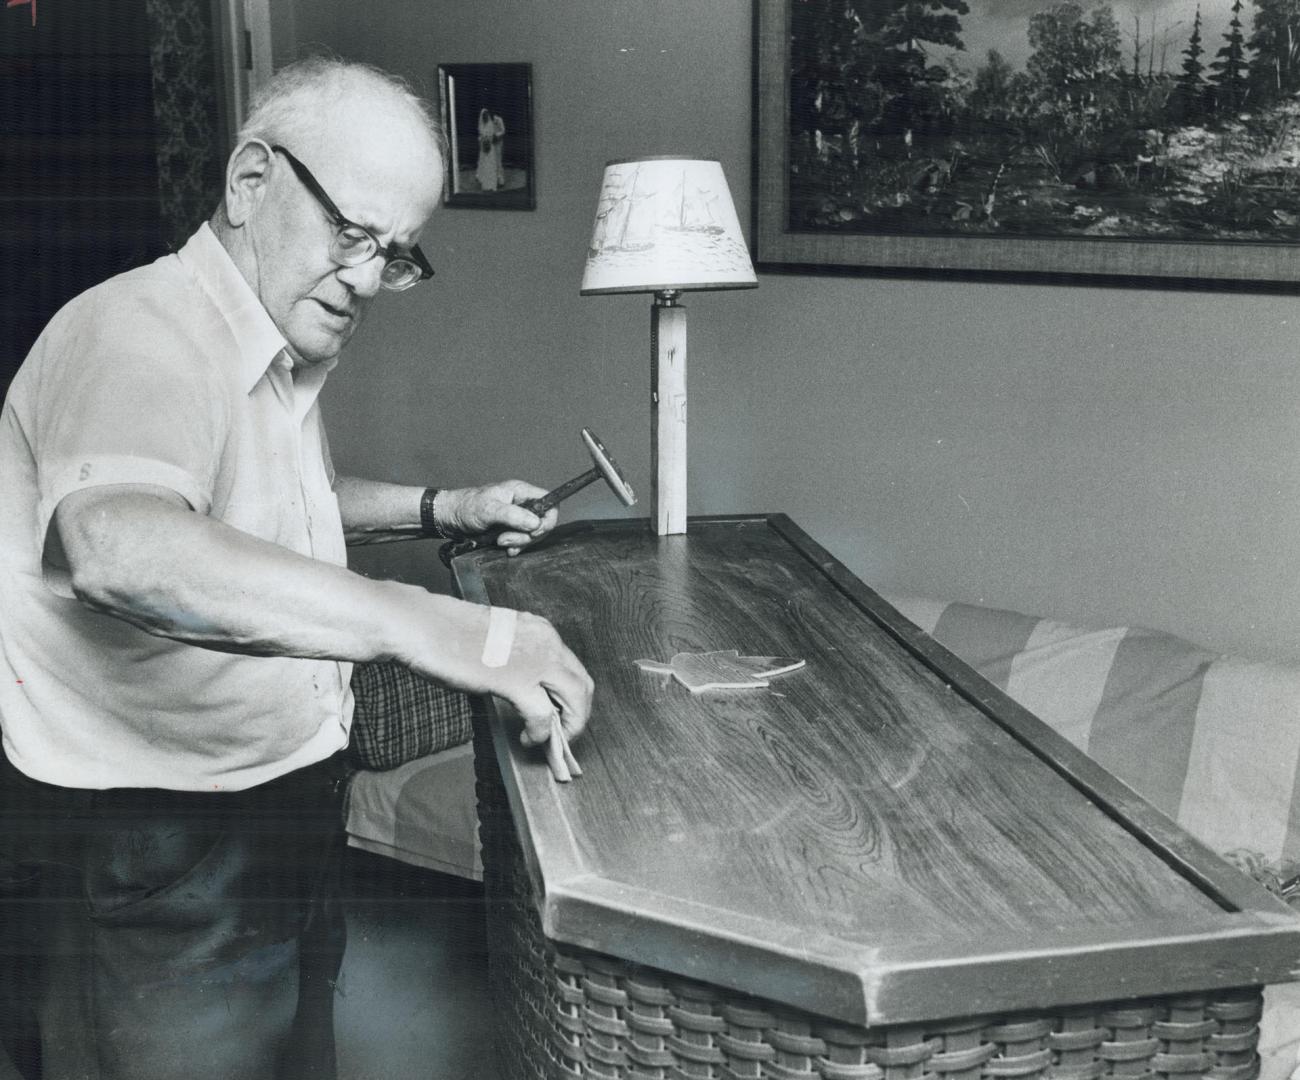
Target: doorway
x,y
111,138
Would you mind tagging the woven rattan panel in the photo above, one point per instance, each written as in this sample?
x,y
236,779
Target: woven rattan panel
x,y
565,1012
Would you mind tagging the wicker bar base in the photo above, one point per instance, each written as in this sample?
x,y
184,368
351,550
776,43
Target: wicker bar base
x,y
566,1012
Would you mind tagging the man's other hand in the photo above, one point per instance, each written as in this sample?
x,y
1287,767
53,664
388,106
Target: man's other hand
x,y
542,678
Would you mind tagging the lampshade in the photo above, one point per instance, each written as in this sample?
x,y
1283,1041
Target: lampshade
x,y
665,223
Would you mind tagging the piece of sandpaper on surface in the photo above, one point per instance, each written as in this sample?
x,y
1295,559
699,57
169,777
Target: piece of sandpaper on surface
x,y
722,670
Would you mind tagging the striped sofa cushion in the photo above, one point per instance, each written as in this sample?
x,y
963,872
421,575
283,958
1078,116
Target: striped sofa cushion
x,y
1211,740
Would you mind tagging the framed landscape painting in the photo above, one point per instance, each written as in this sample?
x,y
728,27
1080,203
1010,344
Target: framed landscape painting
x,y
1126,139
487,111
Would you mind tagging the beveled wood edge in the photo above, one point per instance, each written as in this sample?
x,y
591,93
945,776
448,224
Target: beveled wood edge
x,y
1165,838
858,984
1242,946
539,809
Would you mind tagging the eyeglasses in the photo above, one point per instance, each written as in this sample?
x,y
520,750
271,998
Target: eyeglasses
x,y
353,244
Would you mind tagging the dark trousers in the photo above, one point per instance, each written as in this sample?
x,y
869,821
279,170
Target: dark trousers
x,y
161,935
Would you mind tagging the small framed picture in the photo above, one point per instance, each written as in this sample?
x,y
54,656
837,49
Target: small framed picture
x,y
487,110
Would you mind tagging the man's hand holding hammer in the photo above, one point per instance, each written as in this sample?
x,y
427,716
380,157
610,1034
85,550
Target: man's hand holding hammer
x,y
476,511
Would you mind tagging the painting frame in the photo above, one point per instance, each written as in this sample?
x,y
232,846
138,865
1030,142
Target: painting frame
x,y
487,113
1254,266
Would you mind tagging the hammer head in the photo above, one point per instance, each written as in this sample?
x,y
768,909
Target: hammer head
x,y
608,468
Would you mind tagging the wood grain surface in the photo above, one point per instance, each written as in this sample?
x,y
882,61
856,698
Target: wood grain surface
x,y
864,804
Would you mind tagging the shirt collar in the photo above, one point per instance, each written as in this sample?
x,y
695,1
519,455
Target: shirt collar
x,y
297,394
256,335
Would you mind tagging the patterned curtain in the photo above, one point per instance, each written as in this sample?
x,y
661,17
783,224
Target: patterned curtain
x,y
183,59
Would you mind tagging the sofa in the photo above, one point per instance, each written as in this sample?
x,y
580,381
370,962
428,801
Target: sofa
x,y
1212,741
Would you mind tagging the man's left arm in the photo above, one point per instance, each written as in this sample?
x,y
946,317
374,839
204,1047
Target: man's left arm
x,y
374,512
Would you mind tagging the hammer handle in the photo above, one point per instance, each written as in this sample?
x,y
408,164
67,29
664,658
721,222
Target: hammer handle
x,y
538,506
557,495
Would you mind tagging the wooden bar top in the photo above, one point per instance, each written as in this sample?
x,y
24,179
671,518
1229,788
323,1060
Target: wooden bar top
x,y
879,837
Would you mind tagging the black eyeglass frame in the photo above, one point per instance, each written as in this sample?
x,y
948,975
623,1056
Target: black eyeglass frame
x,y
415,255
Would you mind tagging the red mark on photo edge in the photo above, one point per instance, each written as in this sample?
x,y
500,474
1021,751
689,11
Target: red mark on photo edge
x,y
20,3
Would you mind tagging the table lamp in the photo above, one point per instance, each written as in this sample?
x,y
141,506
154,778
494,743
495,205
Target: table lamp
x,y
665,225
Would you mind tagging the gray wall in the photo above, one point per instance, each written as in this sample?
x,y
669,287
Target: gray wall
x,y
1102,455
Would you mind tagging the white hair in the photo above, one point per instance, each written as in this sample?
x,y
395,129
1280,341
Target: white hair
x,y
293,100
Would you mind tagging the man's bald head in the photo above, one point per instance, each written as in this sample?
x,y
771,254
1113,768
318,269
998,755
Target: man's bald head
x,y
305,101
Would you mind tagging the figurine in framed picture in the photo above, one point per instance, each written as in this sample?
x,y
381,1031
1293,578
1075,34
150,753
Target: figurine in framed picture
x,y
490,173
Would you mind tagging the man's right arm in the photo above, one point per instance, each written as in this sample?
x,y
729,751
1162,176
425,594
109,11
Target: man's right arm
x,y
141,554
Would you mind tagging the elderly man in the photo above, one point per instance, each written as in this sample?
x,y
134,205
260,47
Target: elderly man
x,y
176,619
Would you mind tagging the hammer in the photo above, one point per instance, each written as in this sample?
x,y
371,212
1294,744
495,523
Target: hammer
x,y
604,467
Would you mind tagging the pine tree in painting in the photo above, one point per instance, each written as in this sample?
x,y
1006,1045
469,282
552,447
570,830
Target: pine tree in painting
x,y
1189,96
1230,69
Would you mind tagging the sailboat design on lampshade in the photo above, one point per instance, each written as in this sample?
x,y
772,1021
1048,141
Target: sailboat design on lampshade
x,y
665,223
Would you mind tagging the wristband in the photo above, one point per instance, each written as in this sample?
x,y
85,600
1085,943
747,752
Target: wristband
x,y
500,637
428,522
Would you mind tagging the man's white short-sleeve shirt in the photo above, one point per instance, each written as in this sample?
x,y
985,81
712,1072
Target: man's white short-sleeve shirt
x,y
171,375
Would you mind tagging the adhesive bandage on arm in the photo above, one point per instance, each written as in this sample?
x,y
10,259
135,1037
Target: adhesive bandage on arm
x,y
500,638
